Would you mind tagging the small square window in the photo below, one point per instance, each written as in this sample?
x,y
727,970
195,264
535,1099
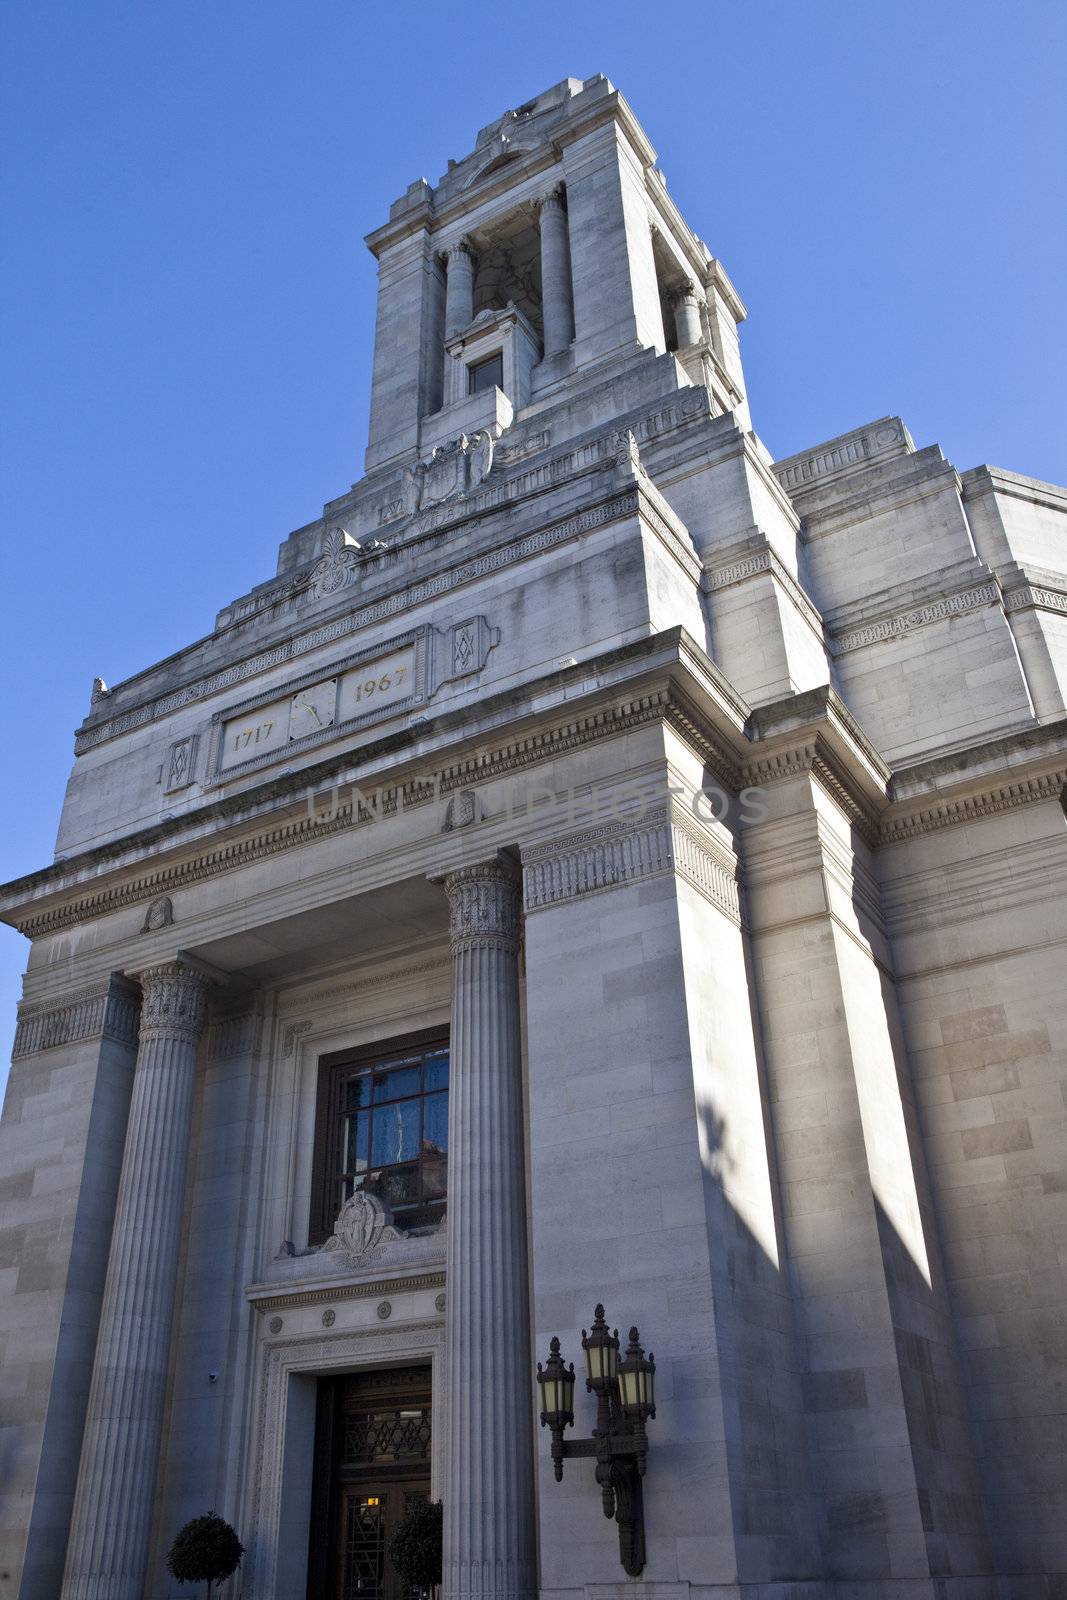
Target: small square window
x,y
486,375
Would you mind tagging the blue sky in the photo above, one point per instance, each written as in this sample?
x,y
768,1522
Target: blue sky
x,y
188,306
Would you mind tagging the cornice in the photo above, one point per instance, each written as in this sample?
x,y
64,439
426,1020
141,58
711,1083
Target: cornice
x,y
1024,768
920,476
894,624
270,1297
291,831
989,802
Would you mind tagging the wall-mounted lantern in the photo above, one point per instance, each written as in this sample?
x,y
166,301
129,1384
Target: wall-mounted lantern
x,y
625,1395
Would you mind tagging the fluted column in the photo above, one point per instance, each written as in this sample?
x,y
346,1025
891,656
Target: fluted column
x,y
489,1538
108,1548
557,302
459,287
686,303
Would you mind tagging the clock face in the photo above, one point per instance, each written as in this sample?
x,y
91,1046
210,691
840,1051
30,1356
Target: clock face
x,y
312,709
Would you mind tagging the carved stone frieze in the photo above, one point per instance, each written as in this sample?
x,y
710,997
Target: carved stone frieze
x,y
453,469
109,1010
1036,597
363,1223
902,622
619,853
513,756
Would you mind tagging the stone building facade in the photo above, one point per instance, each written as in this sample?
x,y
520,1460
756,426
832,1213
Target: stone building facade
x,y
602,864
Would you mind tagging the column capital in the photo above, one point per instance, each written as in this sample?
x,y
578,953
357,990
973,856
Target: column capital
x,y
174,1000
462,247
483,903
551,202
684,294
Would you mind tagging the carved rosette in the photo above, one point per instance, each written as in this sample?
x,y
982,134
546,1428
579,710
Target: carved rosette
x,y
174,1001
483,903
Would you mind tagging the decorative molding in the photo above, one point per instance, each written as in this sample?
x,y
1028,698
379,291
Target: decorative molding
x,y
1034,597
901,622
483,903
338,565
738,571
812,756
355,986
462,811
362,1224
160,914
514,756
293,1032
288,1299
857,449
318,1352
181,763
950,813
716,579
108,1011
619,853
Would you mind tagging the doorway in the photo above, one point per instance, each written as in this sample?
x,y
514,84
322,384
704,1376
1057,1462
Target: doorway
x,y
372,1457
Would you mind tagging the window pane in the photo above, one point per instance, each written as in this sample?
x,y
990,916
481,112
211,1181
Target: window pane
x,y
437,1071
435,1124
357,1092
396,1133
486,375
356,1141
398,1185
395,1084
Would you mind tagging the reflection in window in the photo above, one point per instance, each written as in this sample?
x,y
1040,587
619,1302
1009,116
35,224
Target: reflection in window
x,y
383,1127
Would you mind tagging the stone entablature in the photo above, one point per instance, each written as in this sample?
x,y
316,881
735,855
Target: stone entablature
x,y
108,1011
836,458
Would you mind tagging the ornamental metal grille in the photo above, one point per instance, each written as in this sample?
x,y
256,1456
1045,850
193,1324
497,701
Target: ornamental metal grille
x,y
382,1436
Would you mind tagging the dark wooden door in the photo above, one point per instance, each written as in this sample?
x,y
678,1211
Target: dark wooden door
x,y
372,1457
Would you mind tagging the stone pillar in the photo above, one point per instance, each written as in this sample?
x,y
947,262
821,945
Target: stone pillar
x,y
686,305
459,287
489,1507
556,301
108,1548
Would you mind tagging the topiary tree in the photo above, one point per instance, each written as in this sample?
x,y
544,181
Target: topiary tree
x,y
206,1550
415,1545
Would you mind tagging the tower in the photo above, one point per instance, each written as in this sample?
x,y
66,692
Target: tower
x,y
601,864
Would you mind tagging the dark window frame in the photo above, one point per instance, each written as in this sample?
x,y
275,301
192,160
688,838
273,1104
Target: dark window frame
x,y
333,1072
496,361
